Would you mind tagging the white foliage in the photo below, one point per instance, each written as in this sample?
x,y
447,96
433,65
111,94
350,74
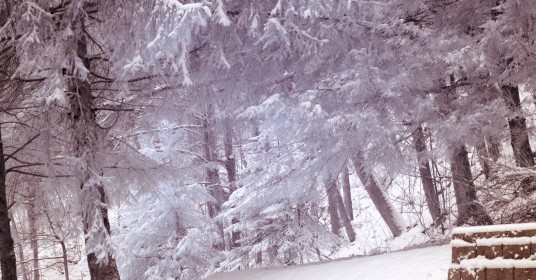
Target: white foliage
x,y
221,15
275,40
319,81
174,237
57,96
254,28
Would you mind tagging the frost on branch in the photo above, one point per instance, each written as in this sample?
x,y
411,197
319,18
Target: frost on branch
x,y
275,40
173,238
221,15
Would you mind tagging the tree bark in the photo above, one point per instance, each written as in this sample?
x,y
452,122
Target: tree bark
x,y
8,262
86,142
464,190
258,258
230,162
230,167
20,251
65,260
518,129
346,192
392,218
33,238
105,270
333,210
519,136
343,215
430,191
211,172
212,175
483,159
493,148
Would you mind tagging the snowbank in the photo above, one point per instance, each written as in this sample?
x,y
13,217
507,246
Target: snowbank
x,y
420,264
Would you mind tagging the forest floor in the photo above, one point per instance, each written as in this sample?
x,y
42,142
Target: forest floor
x,y
429,263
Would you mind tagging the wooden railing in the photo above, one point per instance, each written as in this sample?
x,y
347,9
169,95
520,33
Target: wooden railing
x,y
499,252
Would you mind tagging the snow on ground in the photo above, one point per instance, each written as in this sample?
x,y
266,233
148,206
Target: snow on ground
x,y
378,244
430,263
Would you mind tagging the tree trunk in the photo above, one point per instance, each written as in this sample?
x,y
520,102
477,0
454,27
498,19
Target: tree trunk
x,y
518,129
22,264
20,251
392,218
103,270
519,136
32,220
258,258
65,260
343,215
86,142
483,159
430,191
230,167
464,190
211,172
332,207
8,262
346,192
212,176
493,148
230,162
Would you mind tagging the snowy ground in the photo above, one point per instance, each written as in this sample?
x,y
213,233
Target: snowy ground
x,y
419,264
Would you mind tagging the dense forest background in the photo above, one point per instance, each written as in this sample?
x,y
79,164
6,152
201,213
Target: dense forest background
x,y
162,139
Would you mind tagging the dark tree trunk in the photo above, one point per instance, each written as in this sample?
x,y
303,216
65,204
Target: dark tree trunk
x,y
430,191
212,176
230,162
493,148
343,214
230,167
518,129
258,258
519,136
65,260
86,139
32,220
104,271
211,172
346,192
20,252
8,262
464,190
387,211
483,159
333,210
